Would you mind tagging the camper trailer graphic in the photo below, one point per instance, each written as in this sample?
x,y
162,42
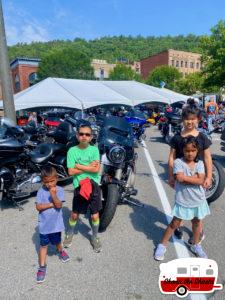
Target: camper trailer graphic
x,y
188,275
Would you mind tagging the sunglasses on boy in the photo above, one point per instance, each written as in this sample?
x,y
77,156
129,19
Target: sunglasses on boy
x,y
84,133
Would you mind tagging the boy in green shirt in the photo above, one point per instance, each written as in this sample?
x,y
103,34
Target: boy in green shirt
x,y
83,161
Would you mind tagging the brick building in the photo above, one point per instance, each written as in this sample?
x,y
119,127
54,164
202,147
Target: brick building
x,y
185,62
24,72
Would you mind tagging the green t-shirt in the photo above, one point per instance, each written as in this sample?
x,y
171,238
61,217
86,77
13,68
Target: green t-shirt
x,y
76,155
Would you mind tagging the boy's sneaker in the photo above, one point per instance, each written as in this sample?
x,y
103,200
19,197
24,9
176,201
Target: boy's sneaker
x,y
96,244
178,233
191,239
68,240
63,256
159,252
198,251
41,274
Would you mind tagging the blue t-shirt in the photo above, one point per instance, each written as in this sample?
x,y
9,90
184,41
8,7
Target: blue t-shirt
x,y
51,219
189,195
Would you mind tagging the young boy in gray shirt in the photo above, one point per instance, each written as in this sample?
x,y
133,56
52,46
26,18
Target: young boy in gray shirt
x,y
50,219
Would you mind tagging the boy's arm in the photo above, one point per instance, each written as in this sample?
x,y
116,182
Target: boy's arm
x,y
74,171
44,206
93,167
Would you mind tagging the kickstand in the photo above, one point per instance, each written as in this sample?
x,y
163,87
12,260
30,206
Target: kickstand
x,y
133,202
17,204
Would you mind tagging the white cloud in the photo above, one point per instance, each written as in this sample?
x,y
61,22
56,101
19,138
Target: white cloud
x,y
26,34
21,27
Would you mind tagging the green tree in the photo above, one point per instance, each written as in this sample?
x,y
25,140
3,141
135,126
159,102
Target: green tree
x,y
164,73
214,57
66,63
123,72
190,84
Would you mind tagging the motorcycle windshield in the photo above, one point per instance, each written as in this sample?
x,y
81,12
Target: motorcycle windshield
x,y
136,114
116,130
7,128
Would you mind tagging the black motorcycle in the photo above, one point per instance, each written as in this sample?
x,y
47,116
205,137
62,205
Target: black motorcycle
x,y
171,126
117,171
20,167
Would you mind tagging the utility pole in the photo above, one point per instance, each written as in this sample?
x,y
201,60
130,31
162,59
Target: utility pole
x,y
5,74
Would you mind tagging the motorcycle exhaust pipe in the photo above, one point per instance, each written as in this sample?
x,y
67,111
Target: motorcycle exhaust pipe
x,y
118,174
1,189
101,170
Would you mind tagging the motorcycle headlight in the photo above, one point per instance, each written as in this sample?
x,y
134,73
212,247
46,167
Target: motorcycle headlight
x,y
117,154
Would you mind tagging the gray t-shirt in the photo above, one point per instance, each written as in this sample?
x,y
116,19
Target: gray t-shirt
x,y
188,195
50,220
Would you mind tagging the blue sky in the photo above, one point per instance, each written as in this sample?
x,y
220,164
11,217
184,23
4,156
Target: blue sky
x,y
44,20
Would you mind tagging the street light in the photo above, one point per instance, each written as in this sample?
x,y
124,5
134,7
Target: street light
x,y
5,73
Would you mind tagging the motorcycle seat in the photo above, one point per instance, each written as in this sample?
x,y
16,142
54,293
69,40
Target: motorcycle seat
x,y
44,151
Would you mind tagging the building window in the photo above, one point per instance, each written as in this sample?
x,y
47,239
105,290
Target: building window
x,y
182,64
17,83
172,62
186,64
191,64
177,64
32,78
197,65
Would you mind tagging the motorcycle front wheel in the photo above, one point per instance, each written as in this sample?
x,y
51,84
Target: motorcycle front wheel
x,y
109,206
218,183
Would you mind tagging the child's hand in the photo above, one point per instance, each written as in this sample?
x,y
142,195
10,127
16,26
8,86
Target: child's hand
x,y
78,166
53,190
172,181
94,163
180,177
207,183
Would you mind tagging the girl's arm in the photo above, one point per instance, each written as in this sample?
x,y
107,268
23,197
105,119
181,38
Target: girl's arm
x,y
197,179
171,159
208,166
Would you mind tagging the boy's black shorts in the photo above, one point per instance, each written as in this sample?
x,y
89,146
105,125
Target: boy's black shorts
x,y
81,205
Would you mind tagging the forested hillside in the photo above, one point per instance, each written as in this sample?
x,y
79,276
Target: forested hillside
x,y
111,48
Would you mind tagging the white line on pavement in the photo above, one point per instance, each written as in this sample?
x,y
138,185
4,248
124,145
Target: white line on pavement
x,y
178,244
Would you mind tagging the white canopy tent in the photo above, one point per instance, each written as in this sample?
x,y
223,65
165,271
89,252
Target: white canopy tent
x,y
82,94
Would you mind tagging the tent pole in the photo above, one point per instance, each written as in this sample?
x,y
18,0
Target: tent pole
x,y
82,111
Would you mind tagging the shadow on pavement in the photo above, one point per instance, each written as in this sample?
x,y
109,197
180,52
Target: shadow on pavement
x,y
145,219
157,139
148,219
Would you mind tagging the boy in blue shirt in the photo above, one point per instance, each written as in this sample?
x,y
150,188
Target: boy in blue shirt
x,y
50,219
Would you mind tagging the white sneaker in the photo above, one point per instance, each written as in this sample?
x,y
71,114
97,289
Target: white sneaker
x,y
159,252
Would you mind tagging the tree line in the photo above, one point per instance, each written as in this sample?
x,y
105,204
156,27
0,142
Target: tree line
x,y
72,59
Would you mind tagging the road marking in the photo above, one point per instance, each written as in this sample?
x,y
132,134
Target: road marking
x,y
178,244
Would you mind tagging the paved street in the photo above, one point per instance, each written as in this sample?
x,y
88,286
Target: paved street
x,y
125,269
